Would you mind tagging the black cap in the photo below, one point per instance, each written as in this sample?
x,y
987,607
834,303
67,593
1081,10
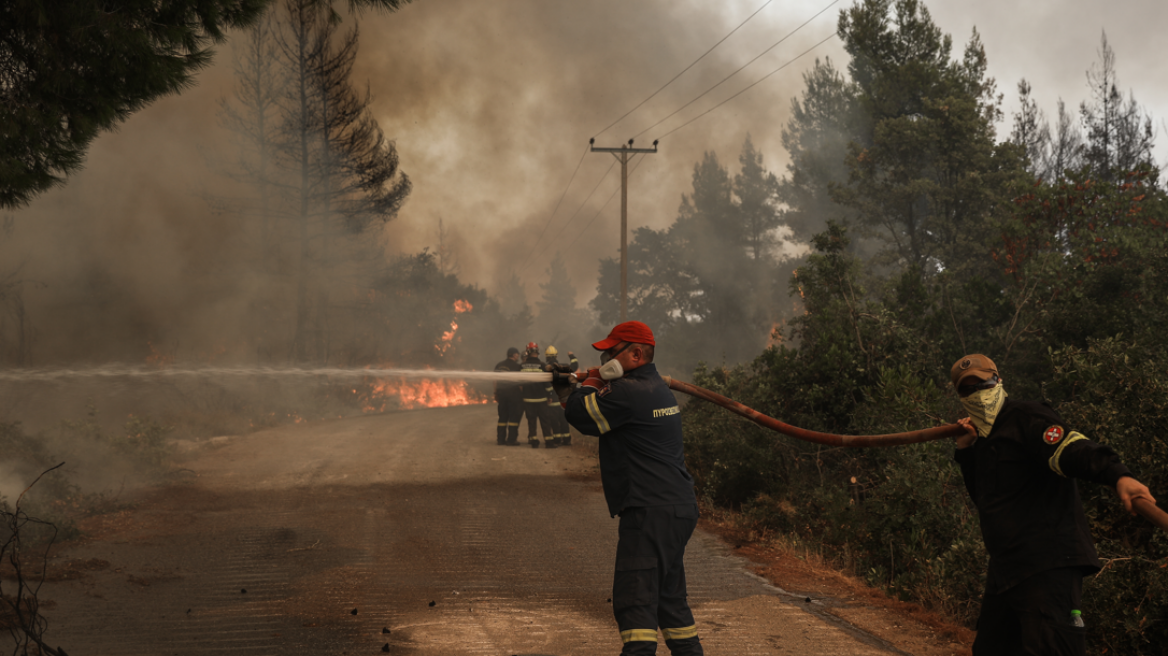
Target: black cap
x,y
512,351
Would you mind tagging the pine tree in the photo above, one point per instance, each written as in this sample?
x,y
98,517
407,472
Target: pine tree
x,y
816,138
322,170
929,177
253,119
71,69
1119,134
756,190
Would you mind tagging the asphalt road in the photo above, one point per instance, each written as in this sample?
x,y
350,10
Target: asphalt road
x,y
412,530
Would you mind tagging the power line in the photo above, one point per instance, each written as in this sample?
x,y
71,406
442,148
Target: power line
x,y
791,61
610,197
723,80
569,221
674,78
561,200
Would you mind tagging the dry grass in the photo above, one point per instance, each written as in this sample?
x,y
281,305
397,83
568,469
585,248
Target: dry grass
x,y
801,568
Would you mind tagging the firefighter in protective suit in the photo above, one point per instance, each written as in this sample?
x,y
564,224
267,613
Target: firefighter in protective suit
x,y
510,400
629,407
535,399
562,434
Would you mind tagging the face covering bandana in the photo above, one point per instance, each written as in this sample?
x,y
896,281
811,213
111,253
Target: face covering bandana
x,y
983,407
611,370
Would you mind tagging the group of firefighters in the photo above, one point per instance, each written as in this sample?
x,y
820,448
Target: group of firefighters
x,y
536,399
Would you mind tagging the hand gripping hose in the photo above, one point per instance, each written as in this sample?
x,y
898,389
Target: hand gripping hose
x,y
1143,507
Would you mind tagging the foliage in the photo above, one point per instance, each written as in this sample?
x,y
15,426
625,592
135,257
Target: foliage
x,y
71,69
1114,391
1074,316
320,176
25,538
560,323
816,138
708,278
926,175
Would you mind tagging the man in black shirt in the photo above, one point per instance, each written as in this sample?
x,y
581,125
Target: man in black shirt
x,y
1019,461
510,400
642,468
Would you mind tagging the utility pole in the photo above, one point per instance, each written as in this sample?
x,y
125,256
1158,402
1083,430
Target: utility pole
x,y
623,155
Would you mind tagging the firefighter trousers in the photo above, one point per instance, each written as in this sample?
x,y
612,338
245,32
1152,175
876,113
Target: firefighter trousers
x,y
537,411
648,586
559,423
1033,617
510,412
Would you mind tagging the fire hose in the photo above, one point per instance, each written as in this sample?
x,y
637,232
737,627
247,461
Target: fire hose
x,y
1145,508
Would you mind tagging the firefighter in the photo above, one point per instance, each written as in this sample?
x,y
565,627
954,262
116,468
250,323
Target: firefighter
x,y
562,434
642,468
1019,460
510,400
535,399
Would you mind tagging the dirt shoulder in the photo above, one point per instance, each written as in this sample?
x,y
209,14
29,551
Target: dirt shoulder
x,y
910,627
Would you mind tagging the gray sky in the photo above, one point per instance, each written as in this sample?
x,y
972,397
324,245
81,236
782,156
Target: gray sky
x,y
492,105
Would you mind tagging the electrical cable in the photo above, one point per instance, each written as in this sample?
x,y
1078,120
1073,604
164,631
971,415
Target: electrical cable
x,y
748,87
561,200
611,196
674,78
772,47
569,221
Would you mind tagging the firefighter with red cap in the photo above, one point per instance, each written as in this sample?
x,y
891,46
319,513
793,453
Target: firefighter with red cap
x,y
1019,460
642,468
535,399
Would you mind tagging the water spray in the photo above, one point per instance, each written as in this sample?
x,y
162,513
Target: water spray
x,y
1145,508
123,372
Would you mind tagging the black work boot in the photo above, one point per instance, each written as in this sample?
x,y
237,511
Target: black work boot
x,y
534,444
551,443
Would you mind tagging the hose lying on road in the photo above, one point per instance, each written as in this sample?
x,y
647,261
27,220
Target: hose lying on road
x,y
1143,507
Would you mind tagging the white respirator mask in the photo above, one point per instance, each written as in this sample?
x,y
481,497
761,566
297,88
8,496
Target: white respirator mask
x,y
611,370
610,367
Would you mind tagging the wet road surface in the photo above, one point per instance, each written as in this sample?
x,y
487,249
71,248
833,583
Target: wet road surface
x,y
318,539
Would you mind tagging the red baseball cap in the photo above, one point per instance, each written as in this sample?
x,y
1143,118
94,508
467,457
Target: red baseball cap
x,y
629,331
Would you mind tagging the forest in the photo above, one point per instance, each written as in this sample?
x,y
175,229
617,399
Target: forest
x,y
1046,249
927,232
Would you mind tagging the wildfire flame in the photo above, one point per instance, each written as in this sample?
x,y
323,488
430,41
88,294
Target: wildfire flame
x,y
424,393
159,358
447,339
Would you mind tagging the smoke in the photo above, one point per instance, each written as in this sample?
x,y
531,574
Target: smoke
x,y
491,106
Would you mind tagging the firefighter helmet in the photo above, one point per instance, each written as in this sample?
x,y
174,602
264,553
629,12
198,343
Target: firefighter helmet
x,y
532,347
551,350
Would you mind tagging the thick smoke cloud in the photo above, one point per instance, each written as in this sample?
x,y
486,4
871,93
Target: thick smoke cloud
x,y
491,105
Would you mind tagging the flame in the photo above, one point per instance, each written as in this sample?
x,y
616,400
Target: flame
x,y
424,393
776,335
447,339
158,358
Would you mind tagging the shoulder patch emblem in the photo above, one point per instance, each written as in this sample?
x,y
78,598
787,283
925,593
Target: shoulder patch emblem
x,y
1053,435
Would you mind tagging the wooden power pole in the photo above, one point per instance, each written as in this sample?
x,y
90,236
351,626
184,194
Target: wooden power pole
x,y
623,155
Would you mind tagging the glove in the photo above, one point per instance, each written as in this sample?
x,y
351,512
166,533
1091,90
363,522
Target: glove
x,y
593,379
562,382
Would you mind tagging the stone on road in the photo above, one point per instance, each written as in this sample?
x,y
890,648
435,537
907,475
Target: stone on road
x,y
417,521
